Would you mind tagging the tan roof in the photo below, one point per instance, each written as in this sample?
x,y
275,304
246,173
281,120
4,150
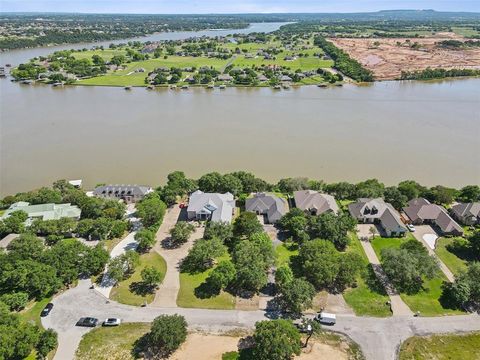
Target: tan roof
x,y
310,199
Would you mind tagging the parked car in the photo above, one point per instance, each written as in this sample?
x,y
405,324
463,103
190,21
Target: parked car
x,y
411,227
87,321
326,318
46,310
112,322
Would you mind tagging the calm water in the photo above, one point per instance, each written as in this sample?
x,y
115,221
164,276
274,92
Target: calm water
x,y
392,130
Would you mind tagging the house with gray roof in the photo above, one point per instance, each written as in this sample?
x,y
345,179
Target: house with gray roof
x,y
211,206
44,211
467,213
127,193
421,211
314,202
377,211
270,206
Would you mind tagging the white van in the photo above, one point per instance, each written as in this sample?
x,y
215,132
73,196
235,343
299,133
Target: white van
x,y
326,318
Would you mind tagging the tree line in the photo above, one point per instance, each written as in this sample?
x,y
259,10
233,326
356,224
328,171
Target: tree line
x,y
438,73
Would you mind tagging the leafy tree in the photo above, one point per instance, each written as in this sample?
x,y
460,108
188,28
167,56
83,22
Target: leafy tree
x,y
219,229
249,182
441,195
151,210
276,340
113,209
411,189
296,296
151,276
294,223
406,267
14,223
145,238
246,224
15,301
122,266
211,182
231,184
283,277
96,260
289,185
469,193
47,342
341,190
331,227
371,188
168,332
474,242
222,275
118,229
26,246
202,255
395,197
181,232
464,293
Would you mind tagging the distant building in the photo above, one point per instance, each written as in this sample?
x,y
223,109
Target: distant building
x,y
127,193
44,211
377,211
269,205
211,206
421,211
467,213
314,202
224,77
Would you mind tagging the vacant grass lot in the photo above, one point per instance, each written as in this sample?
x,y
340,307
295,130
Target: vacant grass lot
x,y
187,298
442,347
369,297
427,300
123,291
111,343
453,262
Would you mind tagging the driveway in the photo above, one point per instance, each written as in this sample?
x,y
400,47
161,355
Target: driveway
x,y
379,338
166,295
424,234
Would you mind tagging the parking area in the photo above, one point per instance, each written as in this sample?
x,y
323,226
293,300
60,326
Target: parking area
x,y
426,234
364,231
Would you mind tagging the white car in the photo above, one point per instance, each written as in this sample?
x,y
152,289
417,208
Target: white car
x,y
411,227
112,322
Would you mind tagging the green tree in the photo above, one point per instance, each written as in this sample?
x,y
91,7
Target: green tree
x,y
122,266
26,246
294,223
283,277
276,340
289,185
411,189
47,342
202,255
151,210
151,277
211,182
331,227
231,184
168,332
395,197
371,188
181,232
219,229
222,275
145,239
296,296
246,224
15,301
469,193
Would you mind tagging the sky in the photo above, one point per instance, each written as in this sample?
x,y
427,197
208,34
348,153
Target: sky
x,y
231,6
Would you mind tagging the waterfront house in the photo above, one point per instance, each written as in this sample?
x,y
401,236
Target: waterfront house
x,y
285,78
211,206
270,206
224,77
421,211
314,202
262,77
127,193
467,213
44,211
377,211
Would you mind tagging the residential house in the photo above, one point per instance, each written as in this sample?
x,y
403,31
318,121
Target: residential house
x,y
285,78
421,211
270,206
211,206
314,202
224,77
377,211
467,213
127,193
44,211
262,77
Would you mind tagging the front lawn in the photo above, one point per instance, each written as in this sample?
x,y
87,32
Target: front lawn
x,y
369,297
32,311
453,262
111,343
125,292
284,252
188,299
442,347
380,243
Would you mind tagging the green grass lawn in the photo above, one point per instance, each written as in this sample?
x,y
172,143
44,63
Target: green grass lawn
x,y
186,296
369,297
454,263
32,311
442,347
284,253
122,292
380,243
111,343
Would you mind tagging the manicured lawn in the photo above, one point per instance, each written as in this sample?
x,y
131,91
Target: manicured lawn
x,y
284,253
427,301
442,347
453,262
380,243
33,310
122,292
111,343
369,297
186,296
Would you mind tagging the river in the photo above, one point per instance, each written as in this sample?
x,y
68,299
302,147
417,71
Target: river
x,y
393,131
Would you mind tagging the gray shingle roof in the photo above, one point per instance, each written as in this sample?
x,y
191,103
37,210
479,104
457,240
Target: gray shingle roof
x,y
388,216
269,204
132,190
310,200
467,209
218,206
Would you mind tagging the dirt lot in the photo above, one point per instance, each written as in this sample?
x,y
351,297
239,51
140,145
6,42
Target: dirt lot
x,y
388,59
211,347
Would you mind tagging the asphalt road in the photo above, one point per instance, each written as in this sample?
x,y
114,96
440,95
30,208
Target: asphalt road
x,y
378,338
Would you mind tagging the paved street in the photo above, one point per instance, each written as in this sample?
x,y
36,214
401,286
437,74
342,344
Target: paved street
x,y
378,338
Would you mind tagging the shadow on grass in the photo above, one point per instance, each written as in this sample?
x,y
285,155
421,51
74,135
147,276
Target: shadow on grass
x,y
373,283
206,290
461,249
140,288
